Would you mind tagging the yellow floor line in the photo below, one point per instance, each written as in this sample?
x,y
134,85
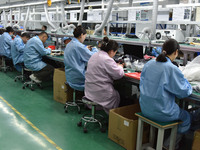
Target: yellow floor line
x,y
32,125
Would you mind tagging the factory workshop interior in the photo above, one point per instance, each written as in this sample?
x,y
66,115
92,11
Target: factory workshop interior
x,y
100,74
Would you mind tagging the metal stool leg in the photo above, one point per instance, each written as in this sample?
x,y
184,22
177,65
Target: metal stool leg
x,y
73,103
160,139
173,138
20,77
139,134
152,135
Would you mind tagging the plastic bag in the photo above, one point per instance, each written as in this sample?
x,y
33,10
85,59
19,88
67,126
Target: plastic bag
x,y
192,70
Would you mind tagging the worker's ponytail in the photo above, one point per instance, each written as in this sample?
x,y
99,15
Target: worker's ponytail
x,y
162,57
168,48
107,45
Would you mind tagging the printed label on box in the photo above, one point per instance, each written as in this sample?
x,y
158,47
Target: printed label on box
x,y
126,123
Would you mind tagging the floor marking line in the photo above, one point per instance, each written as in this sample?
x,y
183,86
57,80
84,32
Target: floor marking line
x,y
32,125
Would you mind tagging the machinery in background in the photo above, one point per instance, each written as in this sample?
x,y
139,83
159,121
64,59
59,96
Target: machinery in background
x,y
167,34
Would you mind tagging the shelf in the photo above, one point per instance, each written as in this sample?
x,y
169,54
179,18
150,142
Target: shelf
x,y
178,22
130,22
183,5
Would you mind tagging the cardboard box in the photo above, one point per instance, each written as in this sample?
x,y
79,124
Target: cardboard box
x,y
61,91
196,141
123,126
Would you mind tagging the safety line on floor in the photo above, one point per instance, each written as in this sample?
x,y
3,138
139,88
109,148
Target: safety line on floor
x,y
32,125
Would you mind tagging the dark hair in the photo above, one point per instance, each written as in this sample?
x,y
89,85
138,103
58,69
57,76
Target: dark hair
x,y
2,31
42,33
168,48
9,29
26,35
78,31
45,27
107,45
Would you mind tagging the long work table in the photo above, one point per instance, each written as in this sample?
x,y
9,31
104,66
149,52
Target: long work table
x,y
185,48
194,98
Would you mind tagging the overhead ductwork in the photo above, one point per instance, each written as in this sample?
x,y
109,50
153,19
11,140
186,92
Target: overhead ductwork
x,y
27,16
81,13
47,17
99,30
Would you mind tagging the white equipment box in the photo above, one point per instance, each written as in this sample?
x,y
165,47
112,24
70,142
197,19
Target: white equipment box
x,y
167,34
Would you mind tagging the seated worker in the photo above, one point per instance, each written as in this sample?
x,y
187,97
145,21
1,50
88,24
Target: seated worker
x,y
1,31
33,52
44,28
66,40
160,83
102,70
76,56
17,50
5,42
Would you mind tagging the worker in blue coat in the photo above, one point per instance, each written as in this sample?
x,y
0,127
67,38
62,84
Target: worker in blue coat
x,y
1,32
33,52
17,50
76,56
160,83
5,42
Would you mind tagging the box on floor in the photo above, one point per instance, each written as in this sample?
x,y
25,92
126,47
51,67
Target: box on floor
x,y
123,126
196,141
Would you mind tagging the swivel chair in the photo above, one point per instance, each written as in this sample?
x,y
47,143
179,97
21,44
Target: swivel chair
x,y
73,103
31,82
3,67
91,118
21,76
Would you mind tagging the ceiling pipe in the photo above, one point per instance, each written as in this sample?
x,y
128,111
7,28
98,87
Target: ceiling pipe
x,y
154,19
27,17
128,28
81,13
99,29
19,17
47,17
11,17
5,19
62,15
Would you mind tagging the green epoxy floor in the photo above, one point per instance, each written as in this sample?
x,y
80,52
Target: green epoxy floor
x,y
48,116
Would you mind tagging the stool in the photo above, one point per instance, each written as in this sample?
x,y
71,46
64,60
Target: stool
x,y
73,103
31,82
161,126
20,77
91,118
3,65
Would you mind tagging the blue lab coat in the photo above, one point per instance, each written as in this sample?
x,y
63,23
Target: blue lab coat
x,y
33,52
76,56
5,44
160,83
17,50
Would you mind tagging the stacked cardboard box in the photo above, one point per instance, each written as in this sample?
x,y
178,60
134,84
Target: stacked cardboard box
x,y
61,91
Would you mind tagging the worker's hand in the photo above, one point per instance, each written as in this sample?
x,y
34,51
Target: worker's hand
x,y
89,47
121,65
